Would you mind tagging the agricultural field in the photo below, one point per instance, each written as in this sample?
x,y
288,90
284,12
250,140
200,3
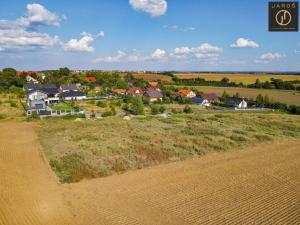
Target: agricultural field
x,y
256,185
245,78
153,77
284,96
88,149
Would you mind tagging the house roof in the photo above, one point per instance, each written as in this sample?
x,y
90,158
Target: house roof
x,y
49,86
154,94
92,79
30,86
153,89
210,96
71,94
35,90
197,100
69,87
153,83
134,90
119,91
232,100
184,92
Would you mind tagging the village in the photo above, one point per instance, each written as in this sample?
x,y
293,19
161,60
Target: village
x,y
45,100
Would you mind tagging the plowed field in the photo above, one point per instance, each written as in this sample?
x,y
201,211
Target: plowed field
x,y
259,185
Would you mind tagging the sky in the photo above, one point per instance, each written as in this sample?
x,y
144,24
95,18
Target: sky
x,y
183,35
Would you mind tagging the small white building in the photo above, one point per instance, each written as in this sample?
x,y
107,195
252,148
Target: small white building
x,y
242,105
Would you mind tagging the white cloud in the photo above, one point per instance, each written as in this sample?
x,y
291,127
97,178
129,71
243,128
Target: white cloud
x,y
111,59
205,52
244,43
82,44
22,33
178,28
189,29
101,34
269,57
153,7
159,54
39,15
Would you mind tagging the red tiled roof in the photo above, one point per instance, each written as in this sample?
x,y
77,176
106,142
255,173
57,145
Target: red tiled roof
x,y
184,92
92,79
135,91
210,96
119,91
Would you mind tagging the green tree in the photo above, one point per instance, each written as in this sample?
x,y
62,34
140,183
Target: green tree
x,y
237,95
259,100
137,106
266,100
225,95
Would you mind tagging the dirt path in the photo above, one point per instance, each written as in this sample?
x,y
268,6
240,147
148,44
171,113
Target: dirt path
x,y
29,193
260,185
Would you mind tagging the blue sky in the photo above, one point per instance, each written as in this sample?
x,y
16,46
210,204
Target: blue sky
x,y
188,35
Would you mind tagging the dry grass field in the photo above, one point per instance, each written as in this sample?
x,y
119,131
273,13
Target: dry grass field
x,y
10,107
245,78
287,97
260,185
89,149
153,77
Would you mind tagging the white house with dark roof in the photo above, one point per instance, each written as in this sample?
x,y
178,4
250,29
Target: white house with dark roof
x,y
68,87
72,95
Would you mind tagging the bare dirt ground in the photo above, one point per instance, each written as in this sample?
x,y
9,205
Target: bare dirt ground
x,y
260,185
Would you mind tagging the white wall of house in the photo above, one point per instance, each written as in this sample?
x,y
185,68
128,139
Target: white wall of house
x,y
205,103
191,94
242,105
75,98
37,95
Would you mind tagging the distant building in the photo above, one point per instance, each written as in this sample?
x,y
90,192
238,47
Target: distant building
x,y
154,95
236,102
200,101
72,95
68,87
119,91
135,91
187,93
91,79
211,97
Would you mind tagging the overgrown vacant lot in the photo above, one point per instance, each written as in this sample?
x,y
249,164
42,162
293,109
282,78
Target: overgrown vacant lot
x,y
245,78
10,107
87,149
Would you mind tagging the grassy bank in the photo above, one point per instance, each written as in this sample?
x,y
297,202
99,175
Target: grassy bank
x,y
87,149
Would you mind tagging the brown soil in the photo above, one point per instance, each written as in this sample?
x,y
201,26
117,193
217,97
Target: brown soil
x,y
260,185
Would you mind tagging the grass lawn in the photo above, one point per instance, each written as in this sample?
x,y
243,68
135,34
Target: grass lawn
x,y
62,106
87,149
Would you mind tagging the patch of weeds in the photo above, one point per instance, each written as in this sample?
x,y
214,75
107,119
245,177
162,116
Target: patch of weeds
x,y
238,138
262,137
2,116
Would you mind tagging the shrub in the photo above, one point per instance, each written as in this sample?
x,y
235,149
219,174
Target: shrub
x,y
154,109
162,109
187,109
13,104
102,104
